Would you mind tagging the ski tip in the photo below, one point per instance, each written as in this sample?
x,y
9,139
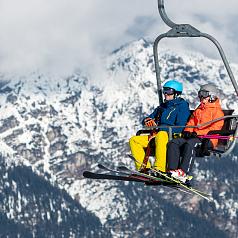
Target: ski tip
x,y
130,156
86,174
189,177
210,198
100,166
122,167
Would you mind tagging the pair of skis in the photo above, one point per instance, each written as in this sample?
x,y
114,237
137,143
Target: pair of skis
x,y
123,173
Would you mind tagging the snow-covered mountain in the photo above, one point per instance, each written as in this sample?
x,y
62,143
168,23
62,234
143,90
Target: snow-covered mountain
x,y
61,126
32,207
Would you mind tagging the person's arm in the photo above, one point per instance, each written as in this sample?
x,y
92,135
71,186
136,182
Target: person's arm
x,y
191,122
216,125
152,116
219,124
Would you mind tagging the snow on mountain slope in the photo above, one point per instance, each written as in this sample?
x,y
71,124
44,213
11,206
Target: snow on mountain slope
x,y
62,126
32,207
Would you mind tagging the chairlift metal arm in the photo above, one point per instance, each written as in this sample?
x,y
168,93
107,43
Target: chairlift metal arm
x,y
184,30
164,15
157,67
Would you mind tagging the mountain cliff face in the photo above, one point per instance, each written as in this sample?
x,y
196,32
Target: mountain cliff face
x,y
52,129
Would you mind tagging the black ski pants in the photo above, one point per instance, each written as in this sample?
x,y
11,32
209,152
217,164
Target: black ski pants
x,y
181,153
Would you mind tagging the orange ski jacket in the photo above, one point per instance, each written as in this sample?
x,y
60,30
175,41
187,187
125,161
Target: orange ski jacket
x,y
205,113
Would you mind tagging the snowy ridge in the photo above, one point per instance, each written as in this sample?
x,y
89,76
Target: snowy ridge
x,y
62,126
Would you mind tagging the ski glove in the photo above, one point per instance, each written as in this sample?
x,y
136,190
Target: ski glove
x,y
149,122
189,135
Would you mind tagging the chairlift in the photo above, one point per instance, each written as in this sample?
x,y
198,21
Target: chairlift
x,y
229,133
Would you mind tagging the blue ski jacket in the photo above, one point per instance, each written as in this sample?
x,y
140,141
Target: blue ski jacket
x,y
171,113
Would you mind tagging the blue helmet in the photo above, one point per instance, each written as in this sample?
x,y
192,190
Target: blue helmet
x,y
177,86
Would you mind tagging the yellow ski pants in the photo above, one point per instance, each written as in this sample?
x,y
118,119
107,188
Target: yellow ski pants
x,y
138,145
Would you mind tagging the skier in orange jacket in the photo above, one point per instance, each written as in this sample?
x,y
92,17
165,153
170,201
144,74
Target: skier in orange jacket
x,y
181,151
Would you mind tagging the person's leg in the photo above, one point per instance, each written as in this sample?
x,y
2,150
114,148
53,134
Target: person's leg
x,y
188,154
203,150
173,153
137,145
161,141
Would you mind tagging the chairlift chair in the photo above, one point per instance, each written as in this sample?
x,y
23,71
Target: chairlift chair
x,y
230,127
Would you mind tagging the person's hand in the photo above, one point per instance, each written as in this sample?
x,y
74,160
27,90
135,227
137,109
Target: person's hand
x,y
189,135
149,122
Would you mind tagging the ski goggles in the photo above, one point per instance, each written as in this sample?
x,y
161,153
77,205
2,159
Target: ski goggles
x,y
203,94
168,91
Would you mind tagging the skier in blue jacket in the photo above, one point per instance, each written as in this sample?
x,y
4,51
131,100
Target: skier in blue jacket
x,y
174,111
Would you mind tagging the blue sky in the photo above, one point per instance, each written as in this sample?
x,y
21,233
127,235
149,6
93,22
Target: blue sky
x,y
61,35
